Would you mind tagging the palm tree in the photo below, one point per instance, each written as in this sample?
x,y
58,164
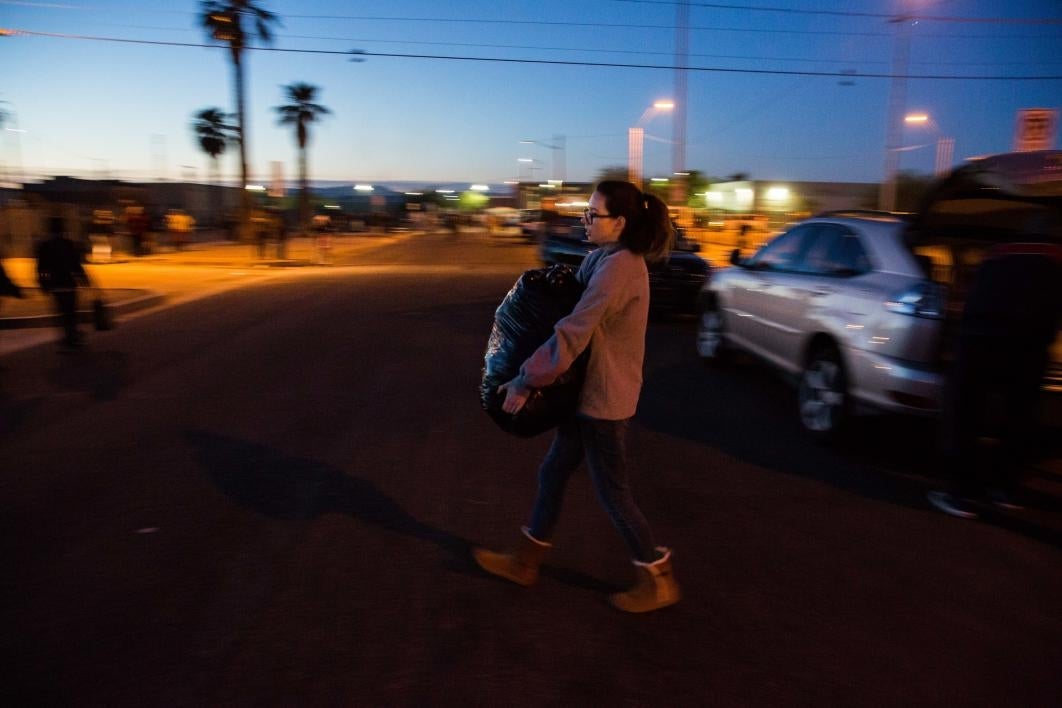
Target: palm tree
x,y
300,112
213,132
228,21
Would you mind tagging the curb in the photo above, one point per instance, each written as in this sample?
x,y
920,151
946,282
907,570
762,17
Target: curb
x,y
84,316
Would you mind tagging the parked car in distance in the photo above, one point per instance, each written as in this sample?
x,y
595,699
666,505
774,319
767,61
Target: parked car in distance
x,y
674,283
858,307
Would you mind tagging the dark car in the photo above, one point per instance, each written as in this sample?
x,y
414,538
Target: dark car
x,y
674,283
989,211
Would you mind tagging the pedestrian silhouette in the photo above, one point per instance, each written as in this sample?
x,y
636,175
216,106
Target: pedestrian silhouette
x,y
60,273
991,410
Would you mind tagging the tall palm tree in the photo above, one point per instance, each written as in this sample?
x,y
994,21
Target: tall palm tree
x,y
229,22
214,132
300,112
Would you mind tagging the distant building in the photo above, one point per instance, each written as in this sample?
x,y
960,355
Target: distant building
x,y
202,201
776,199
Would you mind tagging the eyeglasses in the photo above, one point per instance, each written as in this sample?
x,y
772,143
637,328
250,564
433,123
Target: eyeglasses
x,y
591,215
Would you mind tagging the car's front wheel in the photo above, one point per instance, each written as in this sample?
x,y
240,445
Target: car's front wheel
x,y
711,335
823,394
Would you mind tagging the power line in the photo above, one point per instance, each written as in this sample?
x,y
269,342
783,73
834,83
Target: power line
x,y
848,62
559,23
850,13
357,53
752,8
620,25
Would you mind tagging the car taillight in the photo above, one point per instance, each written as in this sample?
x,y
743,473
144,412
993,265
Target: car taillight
x,y
923,299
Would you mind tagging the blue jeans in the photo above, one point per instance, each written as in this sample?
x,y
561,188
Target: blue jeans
x,y
604,445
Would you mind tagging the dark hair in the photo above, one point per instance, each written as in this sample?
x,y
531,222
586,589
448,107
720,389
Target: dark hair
x,y
647,230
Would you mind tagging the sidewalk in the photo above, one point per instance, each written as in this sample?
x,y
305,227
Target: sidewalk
x,y
36,309
130,285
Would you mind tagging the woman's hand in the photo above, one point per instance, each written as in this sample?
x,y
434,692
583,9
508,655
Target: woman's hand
x,y
515,396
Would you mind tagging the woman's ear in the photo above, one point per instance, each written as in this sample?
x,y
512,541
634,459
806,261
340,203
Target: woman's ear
x,y
621,223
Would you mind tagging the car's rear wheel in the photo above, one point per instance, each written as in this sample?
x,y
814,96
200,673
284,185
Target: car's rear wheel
x,y
823,393
711,335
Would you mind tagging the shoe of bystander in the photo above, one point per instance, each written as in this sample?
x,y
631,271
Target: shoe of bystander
x,y
952,505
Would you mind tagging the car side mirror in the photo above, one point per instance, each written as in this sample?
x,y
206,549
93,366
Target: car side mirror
x,y
735,257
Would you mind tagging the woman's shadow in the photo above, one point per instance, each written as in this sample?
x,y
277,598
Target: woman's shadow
x,y
288,488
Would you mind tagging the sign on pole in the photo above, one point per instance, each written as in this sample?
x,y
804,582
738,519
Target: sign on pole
x,y
1036,129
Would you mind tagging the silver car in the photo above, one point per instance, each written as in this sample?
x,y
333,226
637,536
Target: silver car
x,y
840,302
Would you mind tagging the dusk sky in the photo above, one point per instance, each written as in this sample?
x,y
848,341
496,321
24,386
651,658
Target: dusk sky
x,y
90,107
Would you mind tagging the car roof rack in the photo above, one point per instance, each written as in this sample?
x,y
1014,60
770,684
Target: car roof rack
x,y
902,215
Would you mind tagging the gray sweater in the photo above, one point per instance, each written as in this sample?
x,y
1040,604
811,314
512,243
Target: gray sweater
x,y
611,317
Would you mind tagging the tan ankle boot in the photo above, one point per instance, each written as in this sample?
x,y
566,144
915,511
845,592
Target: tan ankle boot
x,y
655,587
520,566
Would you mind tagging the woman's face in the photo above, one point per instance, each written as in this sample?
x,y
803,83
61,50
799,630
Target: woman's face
x,y
601,227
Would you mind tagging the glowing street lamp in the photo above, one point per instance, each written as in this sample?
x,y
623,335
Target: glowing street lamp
x,y
558,146
531,166
945,145
636,139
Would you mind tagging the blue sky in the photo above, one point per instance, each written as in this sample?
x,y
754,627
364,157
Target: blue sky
x,y
94,107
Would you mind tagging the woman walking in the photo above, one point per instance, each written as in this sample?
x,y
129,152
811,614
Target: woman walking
x,y
628,227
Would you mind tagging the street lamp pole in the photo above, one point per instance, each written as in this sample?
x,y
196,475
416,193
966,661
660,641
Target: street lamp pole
x,y
636,141
530,161
678,126
897,107
559,147
945,145
17,171
945,155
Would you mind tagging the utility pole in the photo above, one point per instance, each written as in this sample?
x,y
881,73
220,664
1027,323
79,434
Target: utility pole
x,y
945,154
678,117
557,147
635,145
897,107
560,147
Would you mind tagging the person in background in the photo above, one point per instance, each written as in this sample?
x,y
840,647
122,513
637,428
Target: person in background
x,y
60,273
137,222
179,223
992,403
280,228
611,317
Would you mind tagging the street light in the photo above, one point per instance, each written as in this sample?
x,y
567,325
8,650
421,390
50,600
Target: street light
x,y
10,116
945,152
897,105
559,144
636,139
945,145
530,161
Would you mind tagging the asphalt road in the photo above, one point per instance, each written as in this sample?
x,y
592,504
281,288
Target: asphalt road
x,y
268,496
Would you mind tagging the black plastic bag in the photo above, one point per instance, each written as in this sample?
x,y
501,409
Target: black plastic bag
x,y
522,323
